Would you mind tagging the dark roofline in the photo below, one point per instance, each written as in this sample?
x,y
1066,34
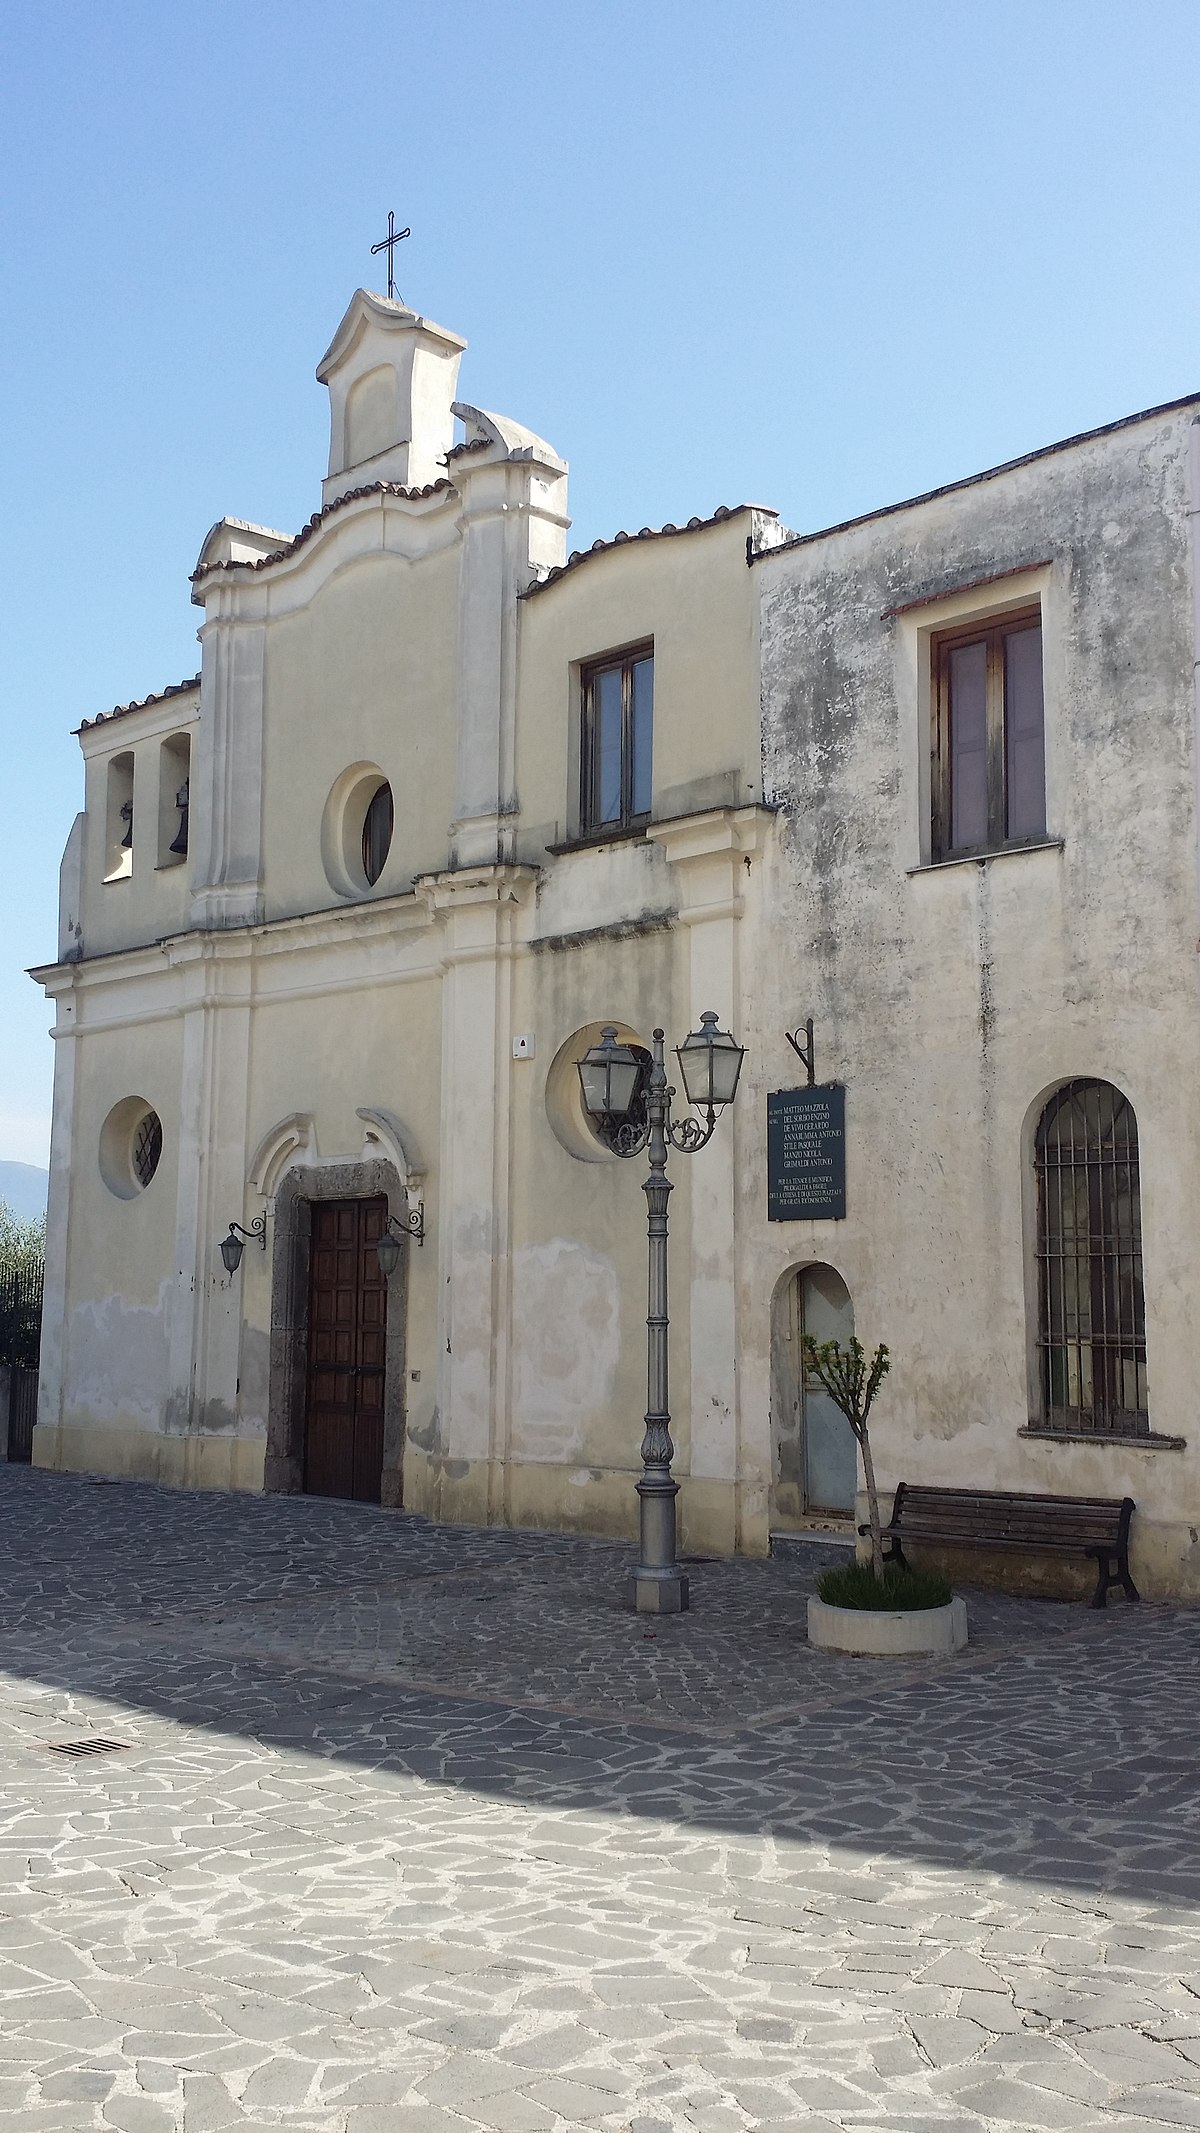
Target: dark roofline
x,y
647,533
971,481
143,703
350,496
469,444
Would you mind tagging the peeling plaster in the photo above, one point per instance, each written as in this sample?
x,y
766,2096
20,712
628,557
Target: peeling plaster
x,y
566,1346
120,1355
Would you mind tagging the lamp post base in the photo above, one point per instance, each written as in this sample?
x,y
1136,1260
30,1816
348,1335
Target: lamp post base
x,y
659,1586
659,1592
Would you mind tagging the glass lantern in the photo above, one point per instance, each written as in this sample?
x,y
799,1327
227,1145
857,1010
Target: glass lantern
x,y
608,1076
710,1061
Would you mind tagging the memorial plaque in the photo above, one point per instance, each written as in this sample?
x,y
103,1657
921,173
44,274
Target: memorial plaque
x,y
806,1154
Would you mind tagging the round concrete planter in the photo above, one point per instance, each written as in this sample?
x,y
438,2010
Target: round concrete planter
x,y
886,1632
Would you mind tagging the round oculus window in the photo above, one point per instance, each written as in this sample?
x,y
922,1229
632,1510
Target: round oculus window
x,y
131,1141
378,823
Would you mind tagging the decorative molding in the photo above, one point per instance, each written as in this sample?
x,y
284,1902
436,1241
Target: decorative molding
x,y
485,884
736,831
291,1137
385,1134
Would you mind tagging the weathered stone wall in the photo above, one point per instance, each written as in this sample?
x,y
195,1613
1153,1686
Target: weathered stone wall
x,y
951,1000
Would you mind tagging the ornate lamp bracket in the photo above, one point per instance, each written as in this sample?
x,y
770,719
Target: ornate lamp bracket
x,y
806,1052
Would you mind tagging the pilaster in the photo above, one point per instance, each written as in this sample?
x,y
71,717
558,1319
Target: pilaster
x,y
226,812
60,987
712,856
478,911
513,491
205,1330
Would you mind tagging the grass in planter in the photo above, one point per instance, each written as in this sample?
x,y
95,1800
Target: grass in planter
x,y
855,1585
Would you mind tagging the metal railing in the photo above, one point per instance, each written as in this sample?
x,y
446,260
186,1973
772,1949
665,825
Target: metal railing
x,y
20,1338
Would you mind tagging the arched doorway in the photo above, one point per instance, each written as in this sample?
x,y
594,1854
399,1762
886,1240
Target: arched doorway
x,y
814,1456
335,1418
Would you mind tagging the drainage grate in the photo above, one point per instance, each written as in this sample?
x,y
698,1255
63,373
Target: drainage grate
x,y
95,1744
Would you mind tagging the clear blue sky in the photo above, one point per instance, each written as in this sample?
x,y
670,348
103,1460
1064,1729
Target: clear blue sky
x,y
816,256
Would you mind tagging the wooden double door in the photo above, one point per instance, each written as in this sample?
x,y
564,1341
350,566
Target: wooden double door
x,y
347,1346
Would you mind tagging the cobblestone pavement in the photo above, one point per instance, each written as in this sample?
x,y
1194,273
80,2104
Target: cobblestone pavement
x,y
416,1827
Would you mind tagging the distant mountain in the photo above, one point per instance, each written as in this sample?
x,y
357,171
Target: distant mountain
x,y
24,1189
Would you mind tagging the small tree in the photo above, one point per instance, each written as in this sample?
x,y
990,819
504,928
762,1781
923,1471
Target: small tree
x,y
852,1383
22,1251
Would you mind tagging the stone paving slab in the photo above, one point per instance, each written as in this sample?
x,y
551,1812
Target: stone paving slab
x,y
416,1827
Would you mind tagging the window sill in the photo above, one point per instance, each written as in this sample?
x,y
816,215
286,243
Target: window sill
x,y
982,859
1148,1441
620,833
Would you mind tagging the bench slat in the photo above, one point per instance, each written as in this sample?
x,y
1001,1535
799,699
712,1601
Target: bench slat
x,y
1052,1528
1095,1526
958,1538
916,1493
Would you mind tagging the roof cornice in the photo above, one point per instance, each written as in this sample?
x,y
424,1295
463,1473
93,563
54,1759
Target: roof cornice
x,y
722,513
249,566
365,306
142,703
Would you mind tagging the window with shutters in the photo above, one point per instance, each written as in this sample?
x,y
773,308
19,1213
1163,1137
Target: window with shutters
x,y
989,752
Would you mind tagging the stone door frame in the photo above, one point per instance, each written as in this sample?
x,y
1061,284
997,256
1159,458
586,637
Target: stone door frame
x,y
298,1190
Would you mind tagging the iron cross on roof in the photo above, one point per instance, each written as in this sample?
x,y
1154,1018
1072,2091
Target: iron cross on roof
x,y
388,244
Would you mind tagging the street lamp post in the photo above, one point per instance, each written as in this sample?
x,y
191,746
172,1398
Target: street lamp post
x,y
610,1073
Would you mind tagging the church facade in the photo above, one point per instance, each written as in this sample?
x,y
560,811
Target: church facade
x,y
341,916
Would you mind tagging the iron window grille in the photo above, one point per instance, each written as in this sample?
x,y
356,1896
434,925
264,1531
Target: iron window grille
x,y
989,750
617,741
147,1148
1091,1302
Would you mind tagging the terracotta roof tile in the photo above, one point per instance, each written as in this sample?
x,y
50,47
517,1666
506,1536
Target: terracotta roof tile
x,y
469,444
647,533
277,555
141,703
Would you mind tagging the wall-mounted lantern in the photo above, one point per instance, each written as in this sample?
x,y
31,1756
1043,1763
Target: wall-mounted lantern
x,y
235,1243
387,1247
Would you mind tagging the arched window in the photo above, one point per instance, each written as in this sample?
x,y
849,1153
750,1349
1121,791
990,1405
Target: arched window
x,y
174,766
118,847
1091,1306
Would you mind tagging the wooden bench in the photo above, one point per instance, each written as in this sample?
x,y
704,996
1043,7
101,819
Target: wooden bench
x,y
1094,1526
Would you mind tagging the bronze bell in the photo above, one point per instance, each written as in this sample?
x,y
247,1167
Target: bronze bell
x,y
181,835
127,819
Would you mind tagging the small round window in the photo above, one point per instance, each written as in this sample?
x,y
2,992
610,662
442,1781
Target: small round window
x,y
378,823
131,1140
